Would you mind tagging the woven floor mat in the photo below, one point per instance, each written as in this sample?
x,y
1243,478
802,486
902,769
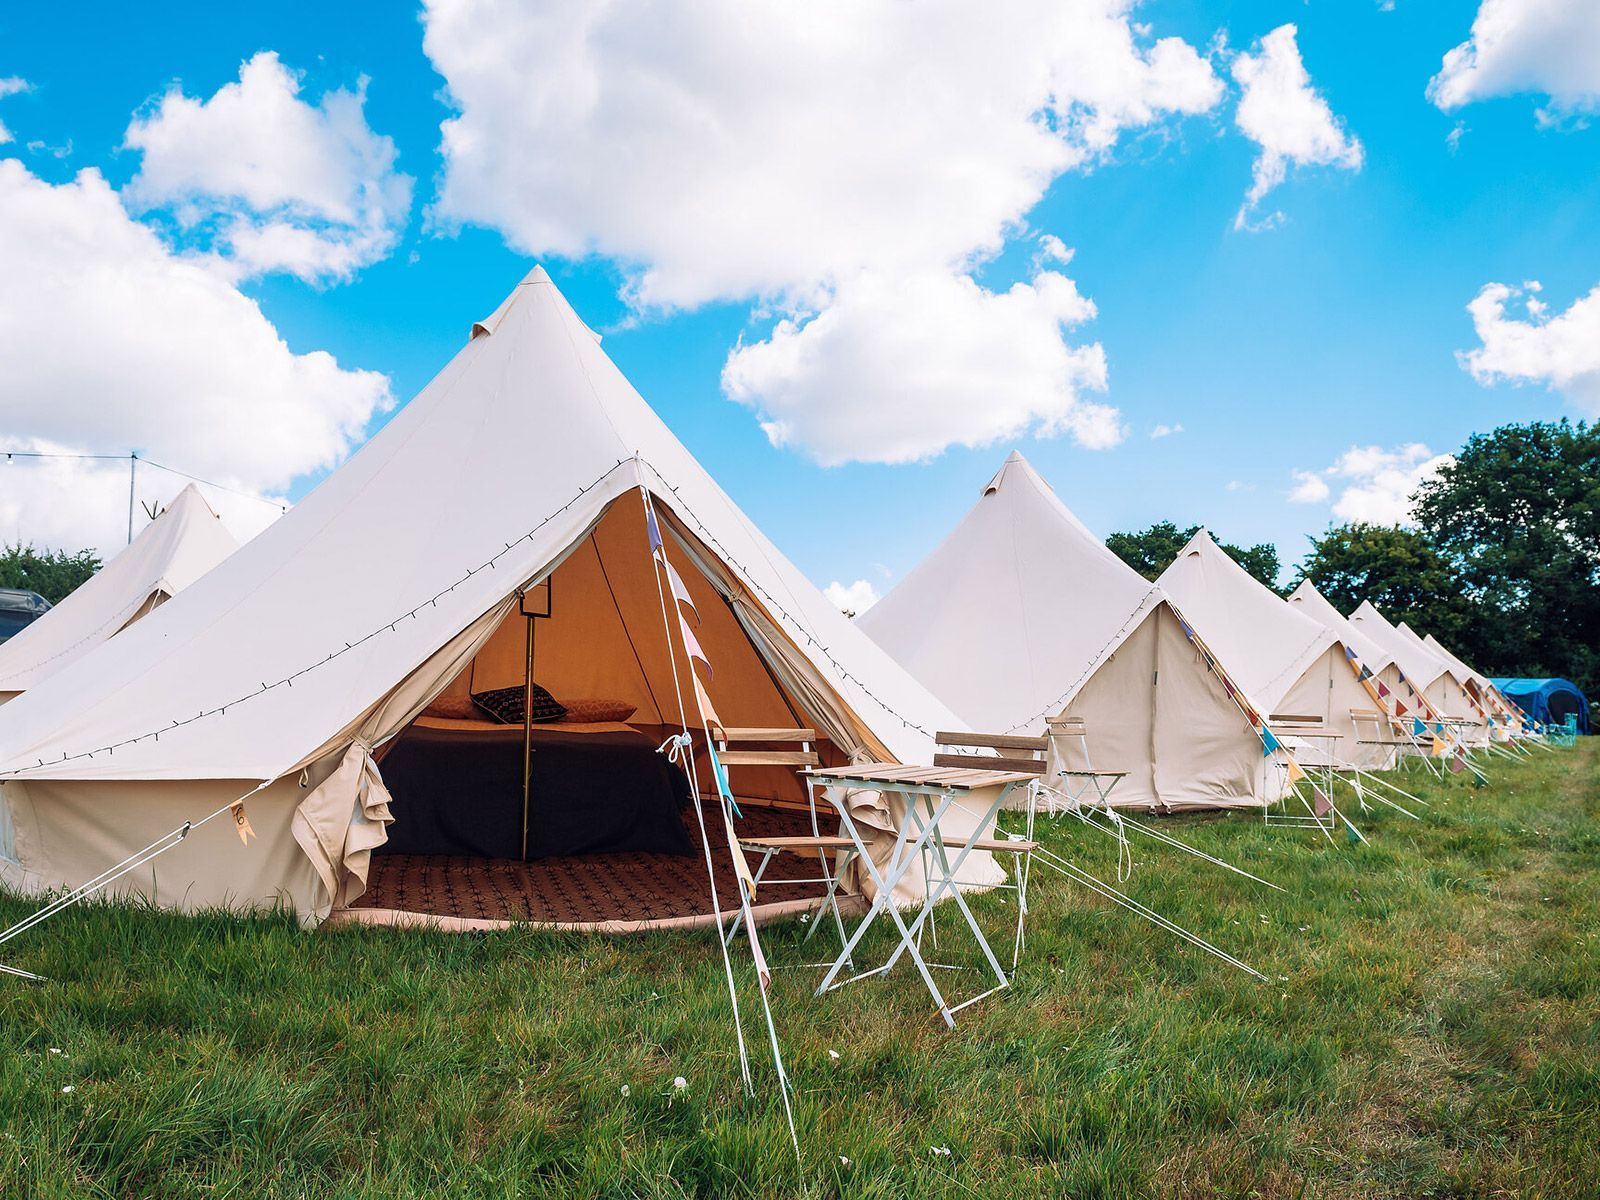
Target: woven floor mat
x,y
591,887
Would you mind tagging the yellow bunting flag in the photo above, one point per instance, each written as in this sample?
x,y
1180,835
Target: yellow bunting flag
x,y
1295,773
241,823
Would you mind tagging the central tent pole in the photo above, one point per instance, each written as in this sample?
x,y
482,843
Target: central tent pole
x,y
527,733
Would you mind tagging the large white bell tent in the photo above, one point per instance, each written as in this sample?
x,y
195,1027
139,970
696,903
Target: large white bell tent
x,y
1446,694
184,542
1022,614
1291,665
324,673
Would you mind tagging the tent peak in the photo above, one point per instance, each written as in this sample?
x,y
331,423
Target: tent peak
x,y
1013,460
489,324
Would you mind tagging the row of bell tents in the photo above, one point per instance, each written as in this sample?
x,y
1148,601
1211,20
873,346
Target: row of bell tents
x,y
188,678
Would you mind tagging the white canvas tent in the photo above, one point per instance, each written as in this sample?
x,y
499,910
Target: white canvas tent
x,y
1289,663
170,553
1022,614
284,670
1487,693
1424,671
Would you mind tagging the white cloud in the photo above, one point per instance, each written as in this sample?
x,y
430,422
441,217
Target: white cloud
x,y
1309,488
112,342
1547,47
1561,351
1238,485
1164,430
10,87
1282,113
818,159
852,598
1375,484
275,183
895,369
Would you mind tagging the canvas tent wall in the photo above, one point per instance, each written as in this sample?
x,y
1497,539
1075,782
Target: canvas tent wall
x,y
1488,693
1446,695
1288,663
279,672
1022,614
180,545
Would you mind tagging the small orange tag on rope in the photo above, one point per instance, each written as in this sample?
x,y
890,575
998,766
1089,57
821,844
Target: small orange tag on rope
x,y
241,823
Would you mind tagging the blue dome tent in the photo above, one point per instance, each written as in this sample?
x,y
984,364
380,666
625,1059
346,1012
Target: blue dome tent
x,y
1547,701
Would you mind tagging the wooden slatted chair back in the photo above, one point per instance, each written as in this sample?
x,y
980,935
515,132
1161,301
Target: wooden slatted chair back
x,y
1010,752
753,747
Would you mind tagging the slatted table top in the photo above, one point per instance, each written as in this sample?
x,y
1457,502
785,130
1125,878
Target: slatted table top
x,y
963,779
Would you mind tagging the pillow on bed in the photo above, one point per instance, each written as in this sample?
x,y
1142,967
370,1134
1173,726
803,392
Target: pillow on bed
x,y
505,705
598,712
456,708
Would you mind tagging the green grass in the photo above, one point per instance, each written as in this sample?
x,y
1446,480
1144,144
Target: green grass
x,y
1436,1032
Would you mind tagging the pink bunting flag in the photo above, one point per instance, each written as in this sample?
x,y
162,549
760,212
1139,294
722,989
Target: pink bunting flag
x,y
1321,806
1382,689
691,644
1458,763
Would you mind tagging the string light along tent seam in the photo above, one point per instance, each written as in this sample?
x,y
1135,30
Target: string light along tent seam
x,y
489,564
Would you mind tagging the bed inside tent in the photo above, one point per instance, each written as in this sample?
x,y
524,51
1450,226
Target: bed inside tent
x,y
612,839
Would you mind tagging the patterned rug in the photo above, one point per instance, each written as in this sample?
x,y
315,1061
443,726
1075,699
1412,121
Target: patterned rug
x,y
592,887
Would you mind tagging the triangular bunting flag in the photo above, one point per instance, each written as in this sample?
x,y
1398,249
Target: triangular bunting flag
x,y
241,823
1458,763
691,645
1321,805
651,527
707,712
1399,709
1269,742
1417,727
1296,774
1383,688
680,593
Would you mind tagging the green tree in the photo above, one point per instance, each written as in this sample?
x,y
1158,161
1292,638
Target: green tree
x,y
1399,570
1518,515
1151,551
52,573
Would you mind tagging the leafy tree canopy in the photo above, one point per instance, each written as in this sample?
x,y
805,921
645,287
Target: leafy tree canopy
x,y
1150,551
1399,570
1517,514
52,573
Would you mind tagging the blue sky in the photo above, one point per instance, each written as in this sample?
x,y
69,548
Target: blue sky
x,y
1276,350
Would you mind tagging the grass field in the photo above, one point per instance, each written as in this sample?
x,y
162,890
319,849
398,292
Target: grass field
x,y
1435,1032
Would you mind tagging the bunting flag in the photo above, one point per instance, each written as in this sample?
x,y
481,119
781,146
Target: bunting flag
x,y
692,648
1458,762
708,712
1439,748
1417,727
1296,772
1399,709
1321,805
1383,689
680,593
1365,675
241,823
651,527
1269,742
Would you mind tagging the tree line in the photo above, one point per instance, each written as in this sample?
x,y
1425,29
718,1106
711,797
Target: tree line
x,y
1501,562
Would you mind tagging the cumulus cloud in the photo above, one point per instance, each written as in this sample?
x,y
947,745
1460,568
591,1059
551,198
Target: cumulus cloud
x,y
1289,119
112,342
1561,351
1375,484
1546,47
815,160
272,182
896,368
10,86
852,599
1164,430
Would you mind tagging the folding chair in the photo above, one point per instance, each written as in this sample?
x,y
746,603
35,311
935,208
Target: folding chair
x,y
1070,735
1006,752
752,748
